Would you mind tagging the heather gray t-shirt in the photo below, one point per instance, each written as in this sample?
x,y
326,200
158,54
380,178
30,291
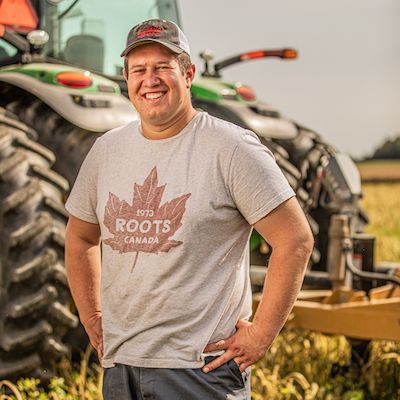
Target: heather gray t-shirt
x,y
175,218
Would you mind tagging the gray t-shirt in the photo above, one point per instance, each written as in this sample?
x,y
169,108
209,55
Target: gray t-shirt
x,y
175,218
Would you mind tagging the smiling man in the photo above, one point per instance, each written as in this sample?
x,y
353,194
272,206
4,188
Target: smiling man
x,y
158,88
172,199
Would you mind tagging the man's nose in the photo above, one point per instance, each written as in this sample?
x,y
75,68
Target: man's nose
x,y
151,78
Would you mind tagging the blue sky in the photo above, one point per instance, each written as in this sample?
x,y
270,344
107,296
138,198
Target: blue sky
x,y
346,82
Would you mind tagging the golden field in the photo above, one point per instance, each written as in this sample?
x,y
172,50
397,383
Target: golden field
x,y
382,203
379,170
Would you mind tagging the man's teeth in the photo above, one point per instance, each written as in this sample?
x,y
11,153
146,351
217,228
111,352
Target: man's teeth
x,y
154,95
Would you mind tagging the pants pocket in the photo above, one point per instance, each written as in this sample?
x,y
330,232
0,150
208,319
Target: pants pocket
x,y
241,376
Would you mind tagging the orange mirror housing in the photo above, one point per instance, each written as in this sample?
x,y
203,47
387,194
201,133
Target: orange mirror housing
x,y
18,15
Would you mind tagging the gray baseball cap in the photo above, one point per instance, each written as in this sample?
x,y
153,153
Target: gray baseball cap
x,y
159,31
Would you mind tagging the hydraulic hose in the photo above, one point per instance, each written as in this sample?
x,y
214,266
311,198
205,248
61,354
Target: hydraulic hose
x,y
348,251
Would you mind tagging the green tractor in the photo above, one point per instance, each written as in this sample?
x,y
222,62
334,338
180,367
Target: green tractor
x,y
61,87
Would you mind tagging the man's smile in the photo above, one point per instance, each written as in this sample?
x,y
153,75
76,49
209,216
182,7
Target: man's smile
x,y
154,95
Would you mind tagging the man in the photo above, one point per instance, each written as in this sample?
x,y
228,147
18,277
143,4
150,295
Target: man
x,y
172,198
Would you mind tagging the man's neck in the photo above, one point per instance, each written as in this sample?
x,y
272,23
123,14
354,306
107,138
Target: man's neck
x,y
157,132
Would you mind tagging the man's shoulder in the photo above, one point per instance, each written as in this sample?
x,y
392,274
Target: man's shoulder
x,y
119,133
225,131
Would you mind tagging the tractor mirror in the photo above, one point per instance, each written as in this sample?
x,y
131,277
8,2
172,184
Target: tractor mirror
x,y
38,38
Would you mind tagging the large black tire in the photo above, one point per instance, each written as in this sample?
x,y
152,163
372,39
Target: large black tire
x,y
68,142
295,179
34,300
260,256
310,154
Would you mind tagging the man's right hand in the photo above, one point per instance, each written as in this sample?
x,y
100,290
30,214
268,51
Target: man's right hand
x,y
94,330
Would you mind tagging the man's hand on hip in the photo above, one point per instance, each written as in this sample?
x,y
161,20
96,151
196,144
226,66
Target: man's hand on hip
x,y
245,347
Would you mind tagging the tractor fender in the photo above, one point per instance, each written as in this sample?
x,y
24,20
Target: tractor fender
x,y
344,176
97,112
262,119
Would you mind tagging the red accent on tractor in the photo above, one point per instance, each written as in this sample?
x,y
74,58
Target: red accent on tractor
x,y
281,53
246,92
18,15
74,79
252,54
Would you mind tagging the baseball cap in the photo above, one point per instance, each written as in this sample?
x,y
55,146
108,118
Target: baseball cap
x,y
159,31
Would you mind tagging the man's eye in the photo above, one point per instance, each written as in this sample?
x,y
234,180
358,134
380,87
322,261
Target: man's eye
x,y
162,67
137,71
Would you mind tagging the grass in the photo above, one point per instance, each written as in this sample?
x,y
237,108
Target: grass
x,y
382,204
379,170
82,382
309,365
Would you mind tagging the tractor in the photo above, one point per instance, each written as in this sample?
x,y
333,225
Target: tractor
x,y
61,87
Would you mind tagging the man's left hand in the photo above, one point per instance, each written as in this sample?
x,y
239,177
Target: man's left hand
x,y
245,347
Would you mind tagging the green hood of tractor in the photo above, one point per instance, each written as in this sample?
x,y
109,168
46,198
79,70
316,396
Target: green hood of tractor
x,y
47,73
213,89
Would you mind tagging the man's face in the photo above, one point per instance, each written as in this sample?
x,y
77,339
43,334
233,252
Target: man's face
x,y
157,87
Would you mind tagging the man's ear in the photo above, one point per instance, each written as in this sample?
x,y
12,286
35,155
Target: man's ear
x,y
190,73
126,67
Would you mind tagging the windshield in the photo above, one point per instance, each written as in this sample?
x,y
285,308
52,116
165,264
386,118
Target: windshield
x,y
92,33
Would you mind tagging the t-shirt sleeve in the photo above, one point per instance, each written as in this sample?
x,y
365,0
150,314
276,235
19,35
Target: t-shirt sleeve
x,y
256,183
82,201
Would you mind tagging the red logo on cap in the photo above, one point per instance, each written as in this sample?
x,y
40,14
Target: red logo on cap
x,y
149,30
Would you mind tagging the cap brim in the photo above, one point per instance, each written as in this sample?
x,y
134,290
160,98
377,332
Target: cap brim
x,y
138,43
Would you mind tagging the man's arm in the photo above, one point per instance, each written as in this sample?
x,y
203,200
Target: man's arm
x,y
287,231
82,260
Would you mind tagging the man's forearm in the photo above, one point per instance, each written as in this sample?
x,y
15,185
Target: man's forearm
x,y
83,271
282,285
82,259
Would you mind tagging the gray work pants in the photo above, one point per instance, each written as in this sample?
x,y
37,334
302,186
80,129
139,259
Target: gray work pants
x,y
123,382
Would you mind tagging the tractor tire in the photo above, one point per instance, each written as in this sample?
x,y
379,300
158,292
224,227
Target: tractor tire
x,y
68,142
310,155
34,297
295,179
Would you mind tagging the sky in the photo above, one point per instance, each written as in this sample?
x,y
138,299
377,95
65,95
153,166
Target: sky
x,y
345,83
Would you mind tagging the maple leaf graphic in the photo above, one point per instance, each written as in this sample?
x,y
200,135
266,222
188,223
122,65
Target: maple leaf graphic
x,y
145,225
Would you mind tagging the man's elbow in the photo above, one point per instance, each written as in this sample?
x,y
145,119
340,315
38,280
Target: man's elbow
x,y
305,244
82,233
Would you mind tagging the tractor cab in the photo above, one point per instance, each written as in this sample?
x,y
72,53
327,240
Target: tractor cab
x,y
85,33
